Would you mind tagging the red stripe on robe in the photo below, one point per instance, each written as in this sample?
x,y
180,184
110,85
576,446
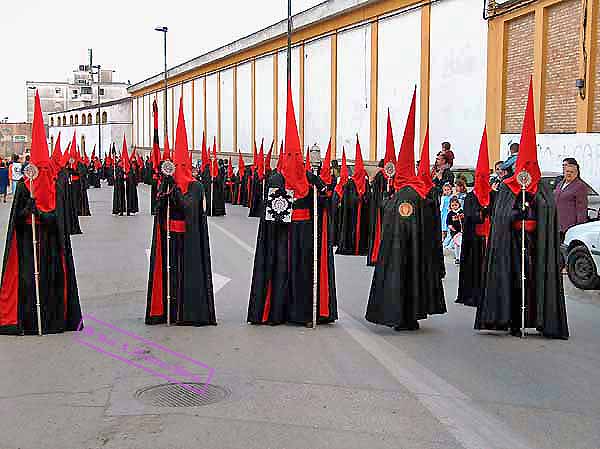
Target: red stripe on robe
x,y
9,293
357,240
324,284
377,242
156,303
267,308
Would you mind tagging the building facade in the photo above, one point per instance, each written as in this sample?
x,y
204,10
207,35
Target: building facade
x,y
15,138
78,92
107,124
354,60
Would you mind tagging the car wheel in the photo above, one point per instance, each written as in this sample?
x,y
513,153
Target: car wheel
x,y
582,269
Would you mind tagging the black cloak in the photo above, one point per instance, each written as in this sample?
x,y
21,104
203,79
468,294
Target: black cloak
x,y
71,217
257,203
192,298
501,302
407,282
353,225
376,193
59,297
131,191
84,205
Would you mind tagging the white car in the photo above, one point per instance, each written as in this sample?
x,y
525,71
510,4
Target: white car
x,y
581,251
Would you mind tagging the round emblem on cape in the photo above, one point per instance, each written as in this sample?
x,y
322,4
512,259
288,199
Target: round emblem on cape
x,y
31,171
524,178
406,209
390,169
168,168
280,205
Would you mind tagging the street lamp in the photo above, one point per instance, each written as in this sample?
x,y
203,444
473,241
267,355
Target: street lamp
x,y
164,31
97,67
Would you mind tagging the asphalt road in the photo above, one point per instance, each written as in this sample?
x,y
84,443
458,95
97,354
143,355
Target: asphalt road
x,y
346,385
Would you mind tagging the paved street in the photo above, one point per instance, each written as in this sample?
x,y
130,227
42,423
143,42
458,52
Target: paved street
x,y
347,385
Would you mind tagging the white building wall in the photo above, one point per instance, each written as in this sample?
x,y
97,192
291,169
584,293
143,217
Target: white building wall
x,y
244,108
264,100
354,91
227,110
211,109
186,93
399,71
458,78
317,93
171,118
198,112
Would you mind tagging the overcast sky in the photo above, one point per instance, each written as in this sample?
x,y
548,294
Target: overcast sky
x,y
46,40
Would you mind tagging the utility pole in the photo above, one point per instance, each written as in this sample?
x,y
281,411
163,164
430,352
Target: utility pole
x,y
289,42
92,73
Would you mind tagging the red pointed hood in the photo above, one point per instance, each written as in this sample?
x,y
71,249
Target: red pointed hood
x,y
295,174
359,176
325,173
65,156
527,158
390,150
261,161
281,160
57,155
125,157
214,172
424,172
94,152
73,153
204,158
167,156
155,156
241,165
183,169
43,188
339,188
268,158
482,187
405,165
229,169
307,165
86,159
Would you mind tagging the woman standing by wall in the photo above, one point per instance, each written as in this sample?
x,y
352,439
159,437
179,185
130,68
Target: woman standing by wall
x,y
571,196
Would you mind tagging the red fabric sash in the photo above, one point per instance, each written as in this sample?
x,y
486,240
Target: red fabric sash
x,y
483,230
267,308
530,225
377,242
9,293
74,178
300,214
324,271
156,302
357,239
177,226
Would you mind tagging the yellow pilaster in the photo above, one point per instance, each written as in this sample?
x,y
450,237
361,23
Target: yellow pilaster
x,y
333,95
425,71
374,84
301,99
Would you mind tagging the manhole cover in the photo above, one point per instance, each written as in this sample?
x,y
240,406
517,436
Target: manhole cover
x,y
175,395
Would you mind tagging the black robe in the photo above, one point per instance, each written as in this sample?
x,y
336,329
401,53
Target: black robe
x,y
109,174
472,254
93,177
131,191
119,193
84,205
70,211
301,260
237,189
59,297
216,197
244,188
500,307
353,225
376,193
257,204
192,298
407,282
269,292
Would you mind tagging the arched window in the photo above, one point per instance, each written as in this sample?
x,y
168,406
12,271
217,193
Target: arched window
x,y
70,119
83,120
77,120
97,118
64,120
104,118
51,121
89,119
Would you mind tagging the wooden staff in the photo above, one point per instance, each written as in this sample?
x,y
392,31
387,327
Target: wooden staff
x,y
168,169
524,179
32,172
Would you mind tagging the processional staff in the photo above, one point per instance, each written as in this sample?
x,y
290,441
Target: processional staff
x,y
168,169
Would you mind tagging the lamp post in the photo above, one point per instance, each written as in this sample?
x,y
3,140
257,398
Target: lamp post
x,y
164,30
97,67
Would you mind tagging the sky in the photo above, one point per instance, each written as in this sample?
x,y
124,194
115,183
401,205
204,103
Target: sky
x,y
46,40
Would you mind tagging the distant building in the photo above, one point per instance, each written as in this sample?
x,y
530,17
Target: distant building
x,y
15,138
113,121
78,92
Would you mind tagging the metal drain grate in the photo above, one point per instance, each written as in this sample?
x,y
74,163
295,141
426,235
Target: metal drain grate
x,y
175,395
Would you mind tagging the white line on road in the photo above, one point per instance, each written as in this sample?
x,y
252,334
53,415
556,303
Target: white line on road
x,y
472,427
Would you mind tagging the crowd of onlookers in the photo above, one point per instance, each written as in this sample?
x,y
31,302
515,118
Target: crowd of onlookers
x,y
570,193
11,171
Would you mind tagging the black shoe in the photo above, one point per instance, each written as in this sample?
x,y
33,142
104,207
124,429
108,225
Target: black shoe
x,y
516,333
